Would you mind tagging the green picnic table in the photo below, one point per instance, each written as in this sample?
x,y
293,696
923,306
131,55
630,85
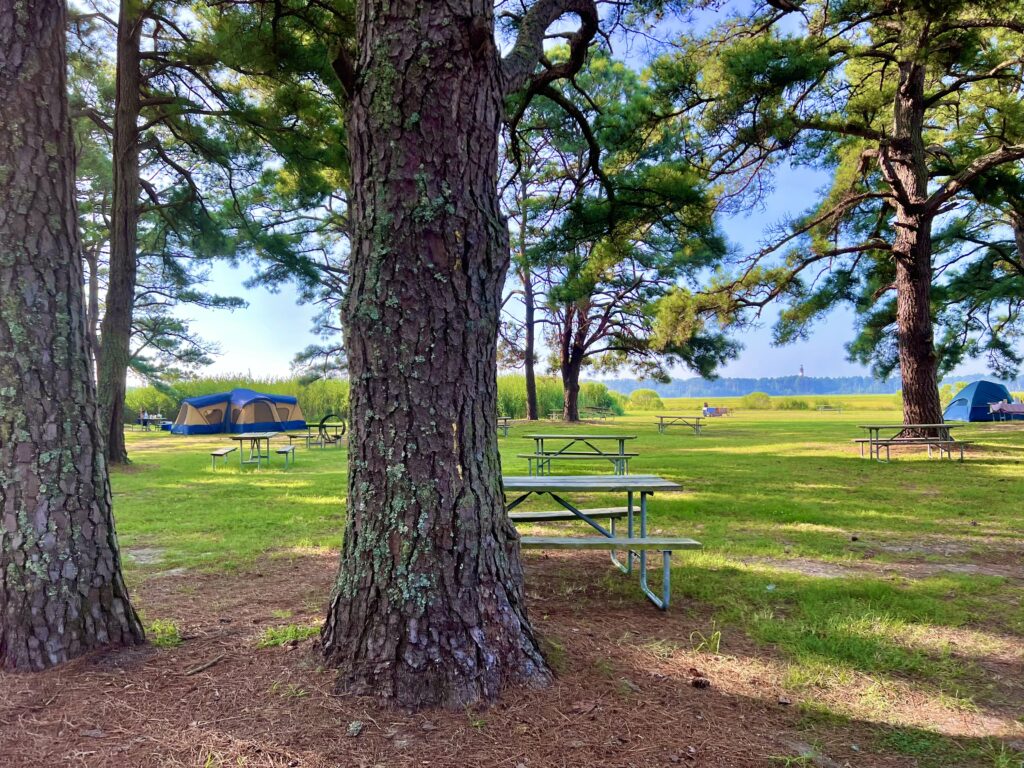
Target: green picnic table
x,y
931,435
503,424
636,546
693,422
577,447
255,440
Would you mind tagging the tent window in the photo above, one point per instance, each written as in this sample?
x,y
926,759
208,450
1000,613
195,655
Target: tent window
x,y
235,413
261,412
214,415
282,412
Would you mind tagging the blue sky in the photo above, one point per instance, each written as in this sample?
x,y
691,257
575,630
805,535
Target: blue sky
x,y
263,338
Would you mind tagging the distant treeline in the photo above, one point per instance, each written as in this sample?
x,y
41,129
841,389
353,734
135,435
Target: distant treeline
x,y
320,398
784,385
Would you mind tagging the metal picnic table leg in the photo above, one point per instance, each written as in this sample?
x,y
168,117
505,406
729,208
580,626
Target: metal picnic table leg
x,y
628,567
666,565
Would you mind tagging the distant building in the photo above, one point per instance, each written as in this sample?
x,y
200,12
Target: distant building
x,y
801,371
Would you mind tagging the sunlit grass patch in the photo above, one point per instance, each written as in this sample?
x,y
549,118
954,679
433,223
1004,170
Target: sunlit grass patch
x,y
163,633
272,637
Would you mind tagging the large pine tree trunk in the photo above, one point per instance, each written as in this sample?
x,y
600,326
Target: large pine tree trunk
x,y
116,328
905,167
429,605
61,589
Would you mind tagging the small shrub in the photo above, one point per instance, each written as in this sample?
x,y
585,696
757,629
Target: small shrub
x,y
756,401
792,404
274,636
594,394
164,633
645,400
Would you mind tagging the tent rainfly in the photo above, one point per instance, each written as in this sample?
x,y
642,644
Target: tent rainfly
x,y
971,403
240,410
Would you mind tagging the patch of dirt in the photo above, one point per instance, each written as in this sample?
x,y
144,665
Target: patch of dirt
x,y
624,694
133,468
913,570
144,555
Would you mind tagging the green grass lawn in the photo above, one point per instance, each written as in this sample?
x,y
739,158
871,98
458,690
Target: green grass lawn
x,y
889,591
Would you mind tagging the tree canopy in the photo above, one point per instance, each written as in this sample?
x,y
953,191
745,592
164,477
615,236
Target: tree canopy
x,y
914,109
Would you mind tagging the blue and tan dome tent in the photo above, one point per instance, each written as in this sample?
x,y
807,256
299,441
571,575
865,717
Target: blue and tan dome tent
x,y
971,403
240,410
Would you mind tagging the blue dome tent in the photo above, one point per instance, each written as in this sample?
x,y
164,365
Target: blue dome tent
x,y
971,403
240,410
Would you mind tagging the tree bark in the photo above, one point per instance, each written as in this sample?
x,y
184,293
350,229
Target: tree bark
x,y
116,329
1017,225
61,589
429,606
905,168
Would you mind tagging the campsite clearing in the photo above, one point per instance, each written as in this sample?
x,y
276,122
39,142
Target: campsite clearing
x,y
872,613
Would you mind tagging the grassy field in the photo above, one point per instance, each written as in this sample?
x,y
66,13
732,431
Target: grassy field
x,y
885,593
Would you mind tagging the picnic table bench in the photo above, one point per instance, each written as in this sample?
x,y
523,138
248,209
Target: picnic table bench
x,y
563,515
930,435
636,547
577,448
221,452
829,408
288,451
503,424
693,422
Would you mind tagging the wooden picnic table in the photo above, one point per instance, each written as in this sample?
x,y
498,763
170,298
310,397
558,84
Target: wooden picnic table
x,y
693,422
255,440
631,485
830,408
578,447
503,424
934,434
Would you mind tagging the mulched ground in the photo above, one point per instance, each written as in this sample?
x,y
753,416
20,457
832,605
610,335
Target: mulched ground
x,y
624,693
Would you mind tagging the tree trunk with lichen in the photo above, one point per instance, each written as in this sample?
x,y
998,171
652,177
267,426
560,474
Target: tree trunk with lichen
x,y
429,607
906,169
116,328
61,589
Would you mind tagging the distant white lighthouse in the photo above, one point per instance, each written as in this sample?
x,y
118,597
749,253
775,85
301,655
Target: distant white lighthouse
x,y
801,371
